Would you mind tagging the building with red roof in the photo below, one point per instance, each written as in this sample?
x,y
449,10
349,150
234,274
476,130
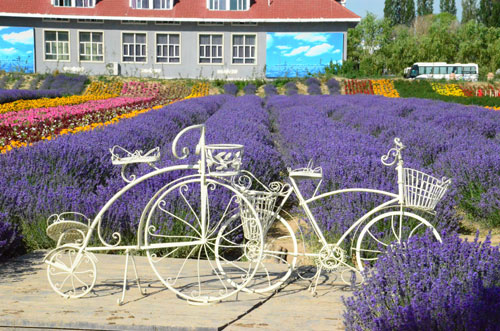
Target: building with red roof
x,y
214,39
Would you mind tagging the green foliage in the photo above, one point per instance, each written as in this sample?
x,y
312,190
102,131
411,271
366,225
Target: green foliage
x,y
399,11
489,13
423,89
375,46
448,6
469,10
425,7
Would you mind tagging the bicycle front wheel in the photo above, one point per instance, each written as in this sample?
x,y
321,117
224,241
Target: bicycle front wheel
x,y
390,228
181,240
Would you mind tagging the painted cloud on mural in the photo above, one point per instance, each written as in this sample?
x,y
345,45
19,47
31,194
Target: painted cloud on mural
x,y
297,54
16,48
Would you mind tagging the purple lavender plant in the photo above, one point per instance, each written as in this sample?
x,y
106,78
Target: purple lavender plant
x,y
250,89
11,243
13,95
312,81
333,86
230,89
291,88
314,89
426,285
270,90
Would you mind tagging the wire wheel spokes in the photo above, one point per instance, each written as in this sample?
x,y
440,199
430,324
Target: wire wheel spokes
x,y
70,273
181,234
278,258
390,228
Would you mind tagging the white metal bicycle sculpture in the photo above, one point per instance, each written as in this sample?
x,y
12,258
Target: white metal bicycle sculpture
x,y
206,234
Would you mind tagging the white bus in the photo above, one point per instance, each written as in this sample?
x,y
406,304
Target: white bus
x,y
442,70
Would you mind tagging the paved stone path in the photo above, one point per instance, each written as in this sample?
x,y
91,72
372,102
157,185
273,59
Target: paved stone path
x,y
27,301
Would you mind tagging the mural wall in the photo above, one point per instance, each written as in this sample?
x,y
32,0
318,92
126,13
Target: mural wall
x,y
16,49
298,54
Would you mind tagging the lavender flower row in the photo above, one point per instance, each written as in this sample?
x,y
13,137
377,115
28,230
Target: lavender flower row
x,y
349,158
68,84
13,95
426,285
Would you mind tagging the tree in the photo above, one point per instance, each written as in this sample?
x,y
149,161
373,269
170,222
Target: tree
x,y
489,12
448,6
425,7
469,10
399,11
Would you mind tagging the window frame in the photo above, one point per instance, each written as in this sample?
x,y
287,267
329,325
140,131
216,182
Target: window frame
x,y
73,4
228,6
255,49
198,48
156,47
151,5
103,46
146,48
45,45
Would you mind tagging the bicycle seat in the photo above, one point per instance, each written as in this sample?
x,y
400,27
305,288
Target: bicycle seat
x,y
308,172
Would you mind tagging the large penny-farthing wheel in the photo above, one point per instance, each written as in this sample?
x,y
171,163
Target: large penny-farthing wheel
x,y
181,234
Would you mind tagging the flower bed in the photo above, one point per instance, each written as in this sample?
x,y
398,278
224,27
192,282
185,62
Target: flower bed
x,y
448,89
100,88
32,125
54,102
385,88
354,86
13,95
67,84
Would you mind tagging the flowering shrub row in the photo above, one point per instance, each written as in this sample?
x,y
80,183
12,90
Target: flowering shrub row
x,y
100,88
385,87
67,84
141,89
32,125
426,285
354,86
199,90
448,89
11,243
13,95
54,102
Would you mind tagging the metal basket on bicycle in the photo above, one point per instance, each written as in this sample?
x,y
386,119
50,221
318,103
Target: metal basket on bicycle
x,y
423,191
265,203
223,159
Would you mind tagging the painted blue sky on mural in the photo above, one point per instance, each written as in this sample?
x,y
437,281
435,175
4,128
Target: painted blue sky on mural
x,y
16,48
297,54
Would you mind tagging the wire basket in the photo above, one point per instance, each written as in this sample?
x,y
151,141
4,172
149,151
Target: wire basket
x,y
423,191
223,159
264,204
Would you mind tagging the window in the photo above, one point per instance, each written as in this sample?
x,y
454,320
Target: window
x,y
74,3
442,70
54,19
460,70
90,20
56,45
134,22
210,48
168,48
469,70
450,70
91,46
427,70
167,23
243,49
151,4
244,23
134,47
211,23
228,4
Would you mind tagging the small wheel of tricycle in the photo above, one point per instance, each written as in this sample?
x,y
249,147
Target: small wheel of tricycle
x,y
394,227
71,272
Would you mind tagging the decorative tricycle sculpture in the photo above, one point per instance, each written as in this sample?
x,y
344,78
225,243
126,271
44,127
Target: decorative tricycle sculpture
x,y
206,233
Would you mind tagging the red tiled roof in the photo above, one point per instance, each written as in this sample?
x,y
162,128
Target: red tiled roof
x,y
308,10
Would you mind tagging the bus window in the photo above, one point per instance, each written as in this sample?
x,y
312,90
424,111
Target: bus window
x,y
442,70
449,70
427,70
472,70
460,70
468,70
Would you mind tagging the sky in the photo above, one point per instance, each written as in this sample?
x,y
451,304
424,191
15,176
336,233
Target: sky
x,y
15,43
301,52
362,7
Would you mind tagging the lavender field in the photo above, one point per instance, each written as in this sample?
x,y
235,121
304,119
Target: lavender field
x,y
346,135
